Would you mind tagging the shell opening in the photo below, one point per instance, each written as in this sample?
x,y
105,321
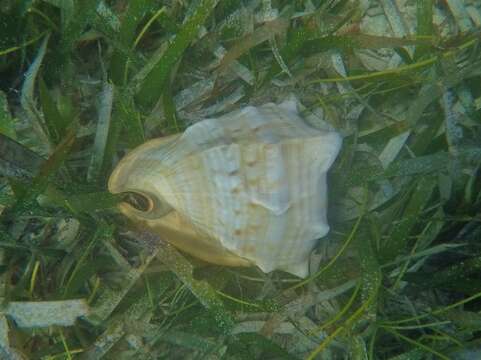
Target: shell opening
x,y
138,201
143,205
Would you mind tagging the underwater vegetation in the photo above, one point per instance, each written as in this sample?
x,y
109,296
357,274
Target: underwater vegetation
x,y
84,82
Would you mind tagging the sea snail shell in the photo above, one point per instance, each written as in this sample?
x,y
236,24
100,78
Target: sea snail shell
x,y
247,188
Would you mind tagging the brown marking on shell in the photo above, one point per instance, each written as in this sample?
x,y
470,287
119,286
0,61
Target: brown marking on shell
x,y
248,249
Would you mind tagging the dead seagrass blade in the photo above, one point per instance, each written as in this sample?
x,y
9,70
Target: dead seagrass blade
x,y
247,188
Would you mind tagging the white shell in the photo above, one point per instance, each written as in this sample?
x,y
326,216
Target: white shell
x,y
247,188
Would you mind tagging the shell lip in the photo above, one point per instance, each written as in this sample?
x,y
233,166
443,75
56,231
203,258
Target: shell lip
x,y
138,200
148,208
124,181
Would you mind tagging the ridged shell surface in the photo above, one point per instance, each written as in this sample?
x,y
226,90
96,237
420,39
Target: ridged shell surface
x,y
247,188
